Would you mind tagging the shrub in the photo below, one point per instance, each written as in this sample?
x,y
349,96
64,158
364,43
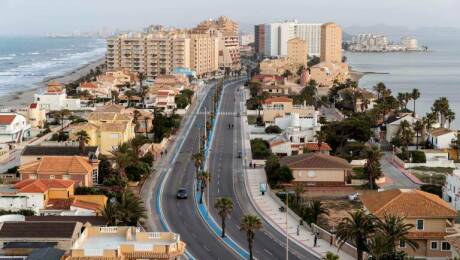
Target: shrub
x,y
260,149
276,173
273,129
24,212
88,191
418,157
433,189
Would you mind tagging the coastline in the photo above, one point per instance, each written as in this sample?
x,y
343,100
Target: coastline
x,y
20,99
357,75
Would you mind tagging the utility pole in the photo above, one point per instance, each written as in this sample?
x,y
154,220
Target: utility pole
x,y
287,235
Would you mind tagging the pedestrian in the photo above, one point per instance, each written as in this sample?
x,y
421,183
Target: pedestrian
x,y
315,240
166,151
331,240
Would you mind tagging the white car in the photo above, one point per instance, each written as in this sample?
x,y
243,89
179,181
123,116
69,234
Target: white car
x,y
353,197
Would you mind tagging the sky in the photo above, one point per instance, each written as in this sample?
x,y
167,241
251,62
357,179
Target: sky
x,y
38,17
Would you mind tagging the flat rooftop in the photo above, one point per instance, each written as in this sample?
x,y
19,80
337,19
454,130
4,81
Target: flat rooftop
x,y
113,241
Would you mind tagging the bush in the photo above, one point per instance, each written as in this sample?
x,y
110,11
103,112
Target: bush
x,y
273,129
88,191
148,159
135,172
433,189
276,173
418,157
260,149
24,212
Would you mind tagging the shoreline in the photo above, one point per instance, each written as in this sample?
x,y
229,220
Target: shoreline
x,y
23,98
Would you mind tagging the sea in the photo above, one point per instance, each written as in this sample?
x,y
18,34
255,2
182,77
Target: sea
x,y
435,73
25,61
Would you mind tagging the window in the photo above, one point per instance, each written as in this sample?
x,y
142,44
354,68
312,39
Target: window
x,y
52,177
420,225
445,246
434,245
402,243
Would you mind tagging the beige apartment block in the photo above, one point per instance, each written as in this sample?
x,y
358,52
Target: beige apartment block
x,y
204,53
114,243
331,43
155,53
298,51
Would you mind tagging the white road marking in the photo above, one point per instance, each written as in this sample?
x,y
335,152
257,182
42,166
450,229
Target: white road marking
x,y
268,252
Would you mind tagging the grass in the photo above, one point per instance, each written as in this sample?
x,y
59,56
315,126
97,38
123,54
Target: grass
x,y
435,178
433,169
252,119
358,174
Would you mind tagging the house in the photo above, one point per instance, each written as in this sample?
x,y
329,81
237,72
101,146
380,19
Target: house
x,y
451,189
441,138
106,129
36,116
275,107
391,126
433,219
91,220
55,98
283,146
122,242
317,169
162,98
22,237
96,89
49,197
13,128
364,99
82,170
32,153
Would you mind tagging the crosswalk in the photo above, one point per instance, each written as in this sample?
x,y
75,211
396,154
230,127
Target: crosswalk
x,y
223,113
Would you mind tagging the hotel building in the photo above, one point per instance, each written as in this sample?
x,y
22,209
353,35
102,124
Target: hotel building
x,y
331,43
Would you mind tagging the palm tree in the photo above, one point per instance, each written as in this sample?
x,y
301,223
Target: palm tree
x,y
330,256
123,155
82,138
61,115
378,247
450,116
298,189
415,95
372,167
224,207
205,179
198,161
316,209
418,128
401,99
250,224
357,227
320,137
110,214
131,209
395,230
380,89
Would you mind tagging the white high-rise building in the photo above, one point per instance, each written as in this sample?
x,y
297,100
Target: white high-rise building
x,y
278,34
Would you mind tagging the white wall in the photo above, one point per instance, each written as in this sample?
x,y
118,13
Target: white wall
x,y
33,201
451,189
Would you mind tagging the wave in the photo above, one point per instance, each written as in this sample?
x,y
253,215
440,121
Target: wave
x,y
6,58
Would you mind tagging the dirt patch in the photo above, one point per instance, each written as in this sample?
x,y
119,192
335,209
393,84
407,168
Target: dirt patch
x,y
338,209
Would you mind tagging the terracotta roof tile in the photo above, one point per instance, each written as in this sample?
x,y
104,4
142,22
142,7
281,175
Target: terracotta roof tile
x,y
6,119
59,203
407,203
315,161
314,147
86,205
40,186
277,99
58,165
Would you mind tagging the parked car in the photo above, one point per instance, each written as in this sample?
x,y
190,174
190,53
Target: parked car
x,y
181,194
353,197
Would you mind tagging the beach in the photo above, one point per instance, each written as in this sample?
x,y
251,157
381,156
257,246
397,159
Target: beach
x,y
24,98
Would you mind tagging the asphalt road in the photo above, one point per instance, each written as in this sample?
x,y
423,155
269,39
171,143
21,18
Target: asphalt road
x,y
400,180
226,170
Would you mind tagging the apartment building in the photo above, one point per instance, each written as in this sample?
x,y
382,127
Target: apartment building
x,y
259,39
113,243
331,43
204,53
153,54
276,35
298,51
276,107
433,219
227,32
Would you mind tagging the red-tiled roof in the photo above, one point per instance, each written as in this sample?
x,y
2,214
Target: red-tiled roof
x,y
315,161
40,186
85,205
88,85
33,105
59,203
314,147
277,99
6,119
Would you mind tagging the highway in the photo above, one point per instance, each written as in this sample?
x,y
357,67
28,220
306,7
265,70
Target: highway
x,y
227,180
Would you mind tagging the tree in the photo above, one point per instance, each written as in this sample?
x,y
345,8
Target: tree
x,y
372,167
224,206
61,115
380,89
441,109
415,95
314,210
131,209
250,224
198,159
82,138
418,128
320,137
123,155
273,129
450,116
110,214
357,227
205,179
330,256
394,229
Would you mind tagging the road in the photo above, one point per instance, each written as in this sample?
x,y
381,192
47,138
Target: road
x,y
399,179
228,181
182,215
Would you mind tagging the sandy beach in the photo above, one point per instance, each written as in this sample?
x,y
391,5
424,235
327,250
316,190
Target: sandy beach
x,y
23,98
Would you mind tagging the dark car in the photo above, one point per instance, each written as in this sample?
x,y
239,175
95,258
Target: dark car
x,y
181,194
